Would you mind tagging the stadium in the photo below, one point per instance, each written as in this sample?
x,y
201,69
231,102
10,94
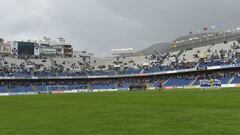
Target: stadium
x,y
167,88
119,67
45,66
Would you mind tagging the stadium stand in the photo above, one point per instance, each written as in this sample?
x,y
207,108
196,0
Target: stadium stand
x,y
185,64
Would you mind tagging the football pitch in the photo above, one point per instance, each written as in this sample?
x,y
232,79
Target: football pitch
x,y
173,112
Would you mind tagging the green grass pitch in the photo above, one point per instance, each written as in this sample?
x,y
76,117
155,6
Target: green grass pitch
x,y
173,112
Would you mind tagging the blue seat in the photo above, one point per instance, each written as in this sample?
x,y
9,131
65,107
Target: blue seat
x,y
236,80
178,82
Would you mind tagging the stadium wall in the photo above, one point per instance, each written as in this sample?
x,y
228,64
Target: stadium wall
x,y
108,90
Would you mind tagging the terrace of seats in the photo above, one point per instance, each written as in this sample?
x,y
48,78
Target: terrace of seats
x,y
178,82
121,65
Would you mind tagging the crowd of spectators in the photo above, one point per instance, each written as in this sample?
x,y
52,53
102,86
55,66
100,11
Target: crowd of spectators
x,y
135,82
28,68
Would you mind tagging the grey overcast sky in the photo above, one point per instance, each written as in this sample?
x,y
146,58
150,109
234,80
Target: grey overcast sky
x,y
101,25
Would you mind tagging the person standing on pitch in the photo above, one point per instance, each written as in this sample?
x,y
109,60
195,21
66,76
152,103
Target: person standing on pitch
x,y
160,87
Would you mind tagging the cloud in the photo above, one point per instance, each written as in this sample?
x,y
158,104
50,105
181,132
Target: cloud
x,y
100,25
